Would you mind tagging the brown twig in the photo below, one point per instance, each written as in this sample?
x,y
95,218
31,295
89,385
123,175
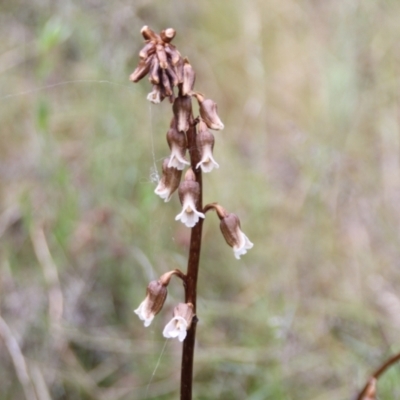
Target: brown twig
x,y
377,374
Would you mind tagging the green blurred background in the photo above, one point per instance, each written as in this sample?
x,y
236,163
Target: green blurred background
x,y
310,161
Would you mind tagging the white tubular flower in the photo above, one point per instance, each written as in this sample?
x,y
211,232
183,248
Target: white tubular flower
x,y
189,192
230,228
156,294
169,181
178,145
205,143
180,323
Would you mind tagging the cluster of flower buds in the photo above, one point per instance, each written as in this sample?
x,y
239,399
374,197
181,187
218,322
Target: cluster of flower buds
x,y
164,64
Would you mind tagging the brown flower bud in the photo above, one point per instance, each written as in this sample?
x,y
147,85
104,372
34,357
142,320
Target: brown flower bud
x,y
179,70
162,56
182,109
167,35
148,49
234,237
189,77
156,294
169,182
141,70
154,76
172,53
166,83
149,34
173,78
208,112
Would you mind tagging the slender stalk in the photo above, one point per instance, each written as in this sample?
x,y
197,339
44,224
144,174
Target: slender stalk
x,y
378,373
192,273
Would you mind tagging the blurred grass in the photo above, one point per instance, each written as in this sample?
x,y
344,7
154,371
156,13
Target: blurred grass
x,y
309,94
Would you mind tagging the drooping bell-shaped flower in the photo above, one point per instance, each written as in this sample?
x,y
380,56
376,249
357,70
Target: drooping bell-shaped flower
x,y
189,192
180,323
156,294
205,144
230,228
169,181
178,145
209,112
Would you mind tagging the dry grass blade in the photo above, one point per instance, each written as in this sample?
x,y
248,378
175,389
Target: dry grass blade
x,y
18,360
50,273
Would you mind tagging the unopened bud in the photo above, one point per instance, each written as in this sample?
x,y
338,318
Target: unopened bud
x,y
156,294
166,83
189,77
178,68
154,76
234,237
173,78
141,70
182,109
180,323
169,181
167,35
173,53
161,55
149,34
147,50
209,112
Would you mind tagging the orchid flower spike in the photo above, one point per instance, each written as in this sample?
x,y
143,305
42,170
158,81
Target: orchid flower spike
x,y
180,323
205,143
189,192
169,181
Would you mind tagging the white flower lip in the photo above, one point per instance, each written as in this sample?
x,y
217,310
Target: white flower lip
x,y
163,191
189,215
207,163
177,327
243,245
144,312
154,97
176,159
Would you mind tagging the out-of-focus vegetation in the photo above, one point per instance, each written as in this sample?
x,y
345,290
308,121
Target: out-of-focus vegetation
x,y
310,160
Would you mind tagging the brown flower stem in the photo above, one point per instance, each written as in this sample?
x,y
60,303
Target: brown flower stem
x,y
192,273
221,212
378,373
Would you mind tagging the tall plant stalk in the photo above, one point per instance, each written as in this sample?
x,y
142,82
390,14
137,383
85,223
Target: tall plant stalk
x,y
167,71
